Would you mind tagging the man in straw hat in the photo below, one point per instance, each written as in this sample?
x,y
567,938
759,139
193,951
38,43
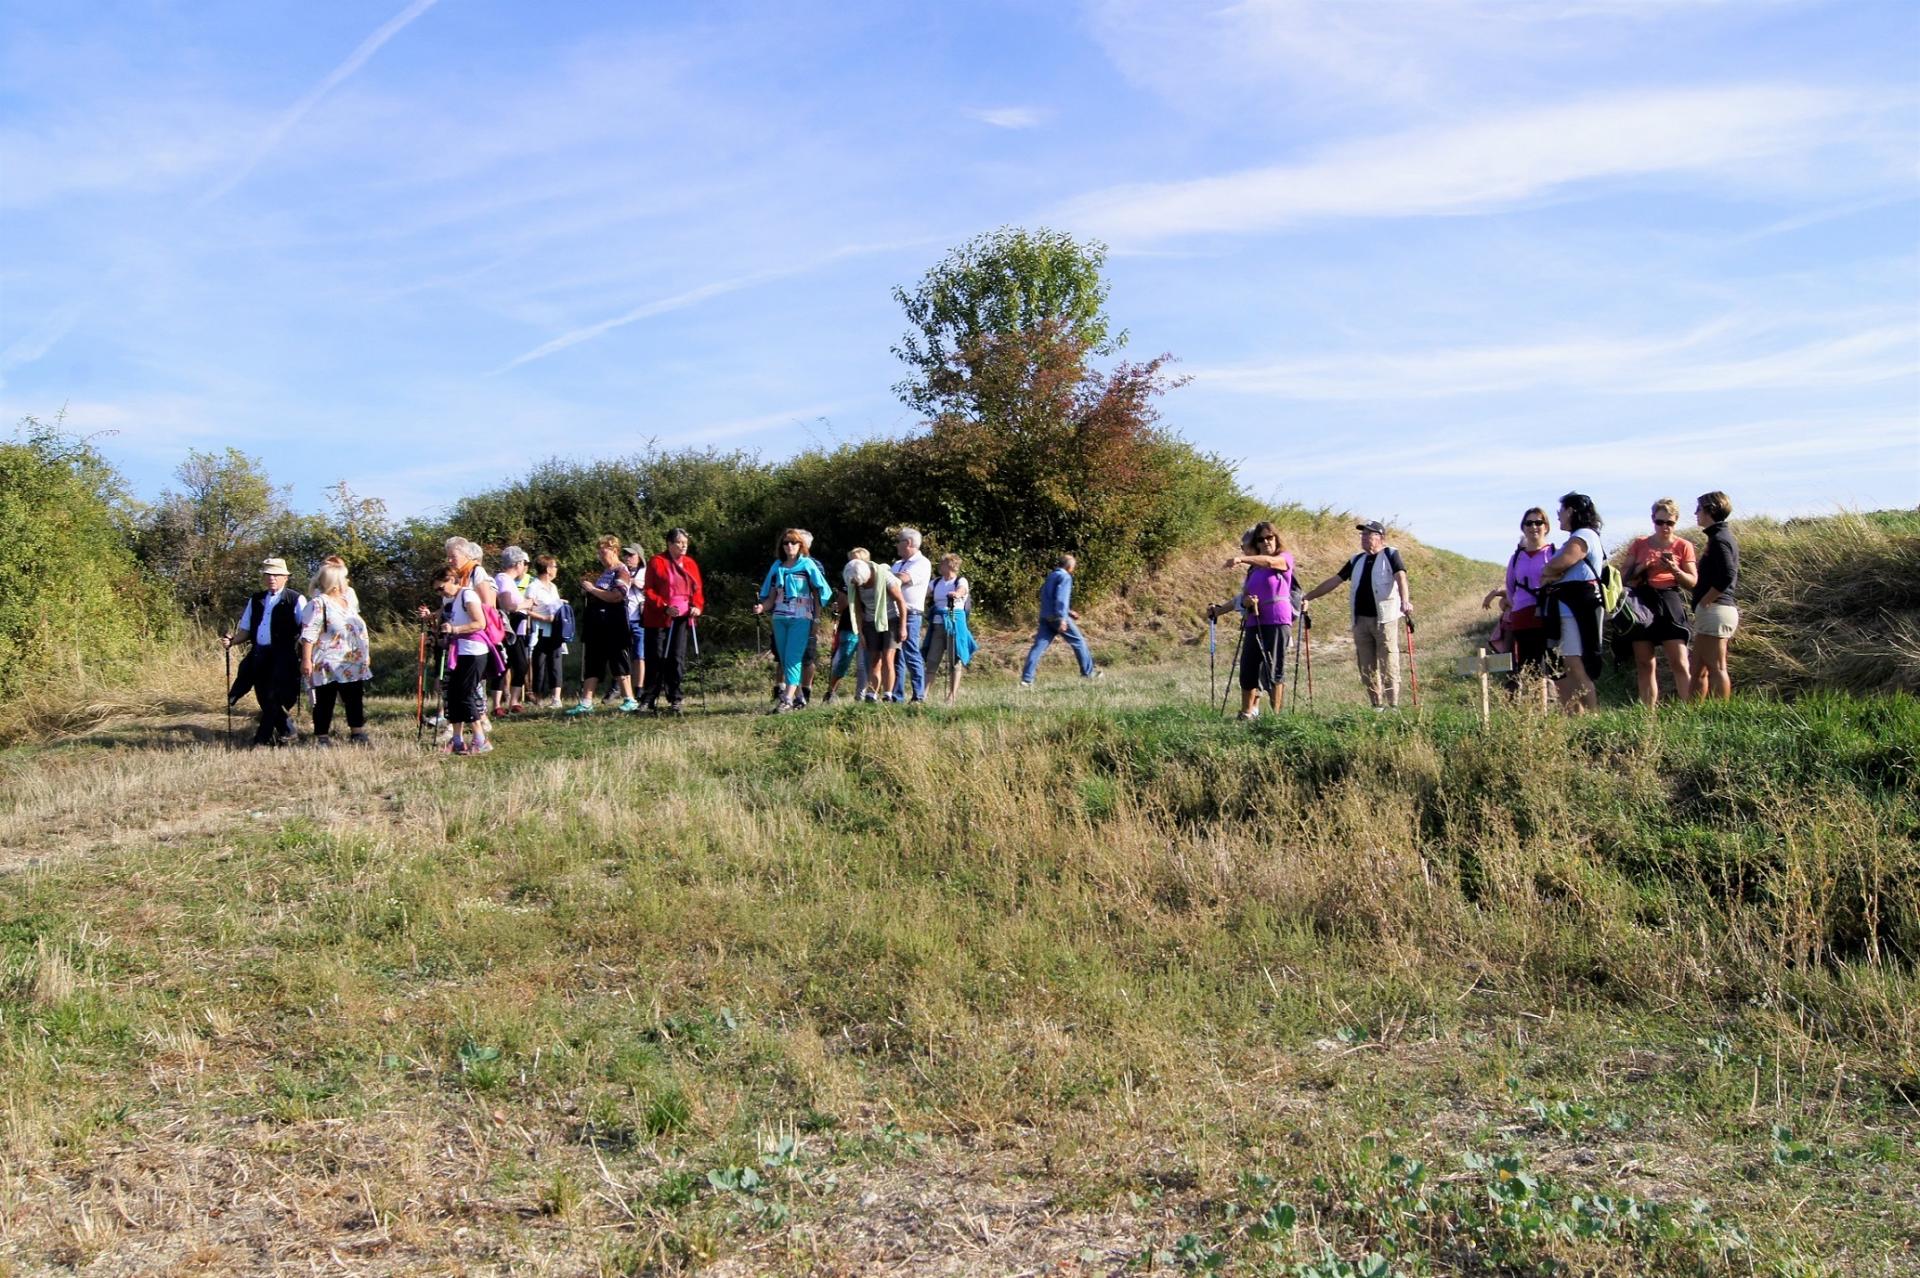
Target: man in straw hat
x,y
271,623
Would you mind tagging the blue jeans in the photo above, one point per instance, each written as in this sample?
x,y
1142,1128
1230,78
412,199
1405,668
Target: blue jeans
x,y
1052,628
910,658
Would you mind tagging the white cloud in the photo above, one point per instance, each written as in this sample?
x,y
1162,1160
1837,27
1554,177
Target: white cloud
x,y
284,125
1492,163
1725,355
1009,117
694,296
39,339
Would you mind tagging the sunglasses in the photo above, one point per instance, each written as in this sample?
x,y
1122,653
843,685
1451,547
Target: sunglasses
x,y
1663,523
1533,523
790,542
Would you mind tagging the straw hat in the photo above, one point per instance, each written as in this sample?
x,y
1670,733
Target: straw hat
x,y
274,567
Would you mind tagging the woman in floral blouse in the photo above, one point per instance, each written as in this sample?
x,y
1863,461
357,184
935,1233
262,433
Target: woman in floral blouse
x,y
334,656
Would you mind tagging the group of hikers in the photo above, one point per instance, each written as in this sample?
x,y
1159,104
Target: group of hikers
x,y
494,643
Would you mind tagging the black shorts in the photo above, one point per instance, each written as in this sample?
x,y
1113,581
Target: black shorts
x,y
877,642
1263,657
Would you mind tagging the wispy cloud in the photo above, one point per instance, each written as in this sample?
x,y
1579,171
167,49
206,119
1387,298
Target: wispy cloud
x,y
1009,117
694,296
1725,355
39,339
1493,163
277,132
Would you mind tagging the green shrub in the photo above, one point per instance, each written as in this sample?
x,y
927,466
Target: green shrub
x,y
76,603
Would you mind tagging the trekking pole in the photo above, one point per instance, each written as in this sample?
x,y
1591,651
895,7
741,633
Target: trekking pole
x,y
1212,681
1307,645
227,692
1296,659
420,691
1413,664
699,666
1231,667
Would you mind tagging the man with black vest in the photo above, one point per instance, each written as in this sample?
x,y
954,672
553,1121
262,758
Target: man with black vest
x,y
1377,593
271,623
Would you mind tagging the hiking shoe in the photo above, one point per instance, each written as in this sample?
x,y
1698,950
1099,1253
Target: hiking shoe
x,y
585,707
1026,685
485,747
827,700
870,698
458,747
1097,674
359,738
322,740
1247,716
629,706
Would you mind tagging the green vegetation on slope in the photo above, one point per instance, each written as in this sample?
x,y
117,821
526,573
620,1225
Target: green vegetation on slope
x,y
1631,994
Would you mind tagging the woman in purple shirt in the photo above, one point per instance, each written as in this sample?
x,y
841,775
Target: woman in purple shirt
x,y
1519,598
1265,603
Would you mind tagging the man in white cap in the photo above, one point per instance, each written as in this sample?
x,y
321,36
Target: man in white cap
x,y
271,622
1377,596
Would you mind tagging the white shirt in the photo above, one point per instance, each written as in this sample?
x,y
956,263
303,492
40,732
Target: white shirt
x,y
262,626
914,572
465,613
636,590
944,590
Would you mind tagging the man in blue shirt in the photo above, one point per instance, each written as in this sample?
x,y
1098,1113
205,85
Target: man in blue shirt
x,y
1056,622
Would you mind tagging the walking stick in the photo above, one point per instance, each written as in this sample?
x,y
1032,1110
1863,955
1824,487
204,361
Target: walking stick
x,y
420,691
699,666
1231,667
227,692
1212,681
1307,644
1413,664
1296,658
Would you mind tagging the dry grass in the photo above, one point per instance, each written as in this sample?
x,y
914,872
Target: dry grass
x,y
1035,987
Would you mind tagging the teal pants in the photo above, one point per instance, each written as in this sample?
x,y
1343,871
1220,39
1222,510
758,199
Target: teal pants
x,y
790,645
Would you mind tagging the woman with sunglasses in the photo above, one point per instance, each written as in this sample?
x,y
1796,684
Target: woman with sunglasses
x,y
1519,596
1658,568
1265,605
793,590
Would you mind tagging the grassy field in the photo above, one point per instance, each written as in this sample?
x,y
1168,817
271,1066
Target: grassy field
x,y
1081,981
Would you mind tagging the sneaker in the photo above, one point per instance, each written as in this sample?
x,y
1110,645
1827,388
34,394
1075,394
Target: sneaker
x,y
1247,716
1097,674
518,707
585,707
629,706
482,747
1026,685
676,708
459,746
870,698
827,700
359,738
322,740
919,701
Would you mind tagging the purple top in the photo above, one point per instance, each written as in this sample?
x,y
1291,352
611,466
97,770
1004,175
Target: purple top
x,y
1523,575
1271,590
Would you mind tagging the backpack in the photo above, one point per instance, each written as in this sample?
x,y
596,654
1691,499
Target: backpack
x,y
1620,607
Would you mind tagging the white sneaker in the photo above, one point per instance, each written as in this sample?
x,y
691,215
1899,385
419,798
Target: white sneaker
x,y
1026,685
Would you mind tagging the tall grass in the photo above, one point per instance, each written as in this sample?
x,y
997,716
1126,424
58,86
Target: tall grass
x,y
1832,602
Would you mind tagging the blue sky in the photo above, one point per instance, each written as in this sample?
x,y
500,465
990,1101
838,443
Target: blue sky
x,y
1433,260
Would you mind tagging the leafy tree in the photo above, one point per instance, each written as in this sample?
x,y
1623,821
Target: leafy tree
x,y
76,601
1007,281
206,539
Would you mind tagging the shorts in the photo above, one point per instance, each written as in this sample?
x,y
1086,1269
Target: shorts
x,y
1716,620
877,642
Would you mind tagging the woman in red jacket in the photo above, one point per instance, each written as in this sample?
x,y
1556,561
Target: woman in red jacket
x,y
674,599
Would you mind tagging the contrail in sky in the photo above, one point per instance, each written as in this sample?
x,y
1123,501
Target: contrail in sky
x,y
284,125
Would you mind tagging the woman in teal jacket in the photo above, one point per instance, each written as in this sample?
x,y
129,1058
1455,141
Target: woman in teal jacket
x,y
793,591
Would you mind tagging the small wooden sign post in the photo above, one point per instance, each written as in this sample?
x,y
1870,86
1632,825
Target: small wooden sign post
x,y
1484,663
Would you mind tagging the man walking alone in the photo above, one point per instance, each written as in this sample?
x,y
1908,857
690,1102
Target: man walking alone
x,y
1056,622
